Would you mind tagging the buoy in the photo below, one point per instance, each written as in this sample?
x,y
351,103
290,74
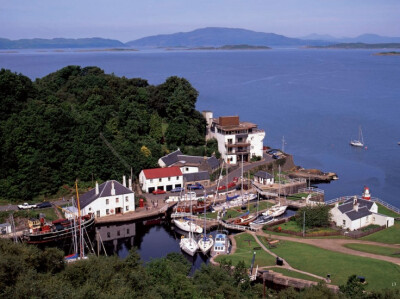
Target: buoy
x,y
366,195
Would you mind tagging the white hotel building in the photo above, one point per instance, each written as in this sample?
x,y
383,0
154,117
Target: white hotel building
x,y
235,138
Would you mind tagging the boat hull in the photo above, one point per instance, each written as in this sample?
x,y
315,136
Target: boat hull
x,y
52,236
205,244
187,227
189,246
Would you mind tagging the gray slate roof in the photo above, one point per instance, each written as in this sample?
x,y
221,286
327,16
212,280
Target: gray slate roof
x,y
196,176
362,212
348,205
177,156
263,174
171,158
104,191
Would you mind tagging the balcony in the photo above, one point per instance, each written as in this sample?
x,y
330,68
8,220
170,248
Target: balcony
x,y
241,144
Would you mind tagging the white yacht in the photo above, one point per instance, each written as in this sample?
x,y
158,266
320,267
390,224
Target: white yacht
x,y
188,226
205,243
275,211
360,141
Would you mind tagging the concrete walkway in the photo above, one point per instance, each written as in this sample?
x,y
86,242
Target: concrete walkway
x,y
338,246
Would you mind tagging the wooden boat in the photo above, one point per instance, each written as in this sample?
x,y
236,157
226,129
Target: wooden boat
x,y
197,207
245,219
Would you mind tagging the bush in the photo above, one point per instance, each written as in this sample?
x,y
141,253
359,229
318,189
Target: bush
x,y
317,216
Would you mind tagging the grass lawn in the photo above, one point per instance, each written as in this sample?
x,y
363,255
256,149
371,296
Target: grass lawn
x,y
244,252
389,235
295,274
393,252
385,211
379,274
297,196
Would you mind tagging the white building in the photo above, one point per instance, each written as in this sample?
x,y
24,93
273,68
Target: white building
x,y
356,213
236,139
109,198
263,178
161,178
5,228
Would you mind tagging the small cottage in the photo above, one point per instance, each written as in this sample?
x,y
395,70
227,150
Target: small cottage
x,y
264,178
357,212
160,178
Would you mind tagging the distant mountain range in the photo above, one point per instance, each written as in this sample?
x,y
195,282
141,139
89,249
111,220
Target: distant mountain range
x,y
364,38
58,43
218,37
204,37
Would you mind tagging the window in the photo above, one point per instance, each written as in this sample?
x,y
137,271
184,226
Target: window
x,y
159,180
98,214
344,222
151,180
169,178
107,211
107,201
177,178
187,168
117,200
108,235
118,233
90,209
127,208
127,231
126,198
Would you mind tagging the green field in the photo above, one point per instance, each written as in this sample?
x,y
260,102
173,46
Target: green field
x,y
379,274
297,196
389,235
244,252
295,274
385,211
393,252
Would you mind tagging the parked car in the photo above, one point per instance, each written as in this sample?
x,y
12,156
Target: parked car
x,y
235,179
231,185
26,206
195,186
158,191
177,189
43,205
221,188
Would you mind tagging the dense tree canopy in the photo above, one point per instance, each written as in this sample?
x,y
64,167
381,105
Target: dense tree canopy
x,y
82,123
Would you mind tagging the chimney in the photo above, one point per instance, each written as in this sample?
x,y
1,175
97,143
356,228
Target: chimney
x,y
354,200
130,184
112,188
124,181
97,188
356,207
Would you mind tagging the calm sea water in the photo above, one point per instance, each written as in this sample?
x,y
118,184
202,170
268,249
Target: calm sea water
x,y
315,98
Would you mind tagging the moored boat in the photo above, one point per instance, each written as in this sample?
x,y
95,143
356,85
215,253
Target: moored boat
x,y
275,211
205,243
221,244
188,226
261,221
245,219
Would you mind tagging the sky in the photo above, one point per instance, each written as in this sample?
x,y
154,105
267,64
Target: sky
x,y
127,20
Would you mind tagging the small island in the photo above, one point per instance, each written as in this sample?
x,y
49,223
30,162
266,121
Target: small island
x,y
233,47
392,53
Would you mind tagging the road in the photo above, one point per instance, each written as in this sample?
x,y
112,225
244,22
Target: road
x,y
11,207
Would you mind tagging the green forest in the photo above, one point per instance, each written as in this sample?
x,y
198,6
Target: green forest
x,y
80,123
29,272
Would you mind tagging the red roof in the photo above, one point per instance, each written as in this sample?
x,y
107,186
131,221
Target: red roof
x,y
155,173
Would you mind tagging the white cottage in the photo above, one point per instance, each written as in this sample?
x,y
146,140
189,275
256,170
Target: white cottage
x,y
109,198
161,178
357,212
264,178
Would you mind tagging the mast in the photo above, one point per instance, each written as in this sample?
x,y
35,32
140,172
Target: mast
x,y
81,253
241,177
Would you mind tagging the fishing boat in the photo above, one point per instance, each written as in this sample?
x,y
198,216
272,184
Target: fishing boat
x,y
205,243
360,141
261,221
221,244
198,207
189,244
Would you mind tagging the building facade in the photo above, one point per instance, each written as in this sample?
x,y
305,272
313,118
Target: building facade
x,y
109,198
165,179
237,140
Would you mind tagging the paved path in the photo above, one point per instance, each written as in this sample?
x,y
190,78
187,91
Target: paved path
x,y
337,245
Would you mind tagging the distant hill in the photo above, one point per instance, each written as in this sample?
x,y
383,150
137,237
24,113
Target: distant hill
x,y
57,43
233,47
360,46
218,37
367,38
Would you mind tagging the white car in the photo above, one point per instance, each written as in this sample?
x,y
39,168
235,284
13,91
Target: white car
x,y
26,206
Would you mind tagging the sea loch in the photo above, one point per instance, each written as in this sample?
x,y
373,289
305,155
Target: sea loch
x,y
315,98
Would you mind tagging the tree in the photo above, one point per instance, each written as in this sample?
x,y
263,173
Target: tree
x,y
156,127
316,216
353,288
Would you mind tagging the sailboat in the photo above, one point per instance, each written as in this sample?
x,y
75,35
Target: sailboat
x,y
276,210
77,246
360,141
205,243
189,245
261,220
